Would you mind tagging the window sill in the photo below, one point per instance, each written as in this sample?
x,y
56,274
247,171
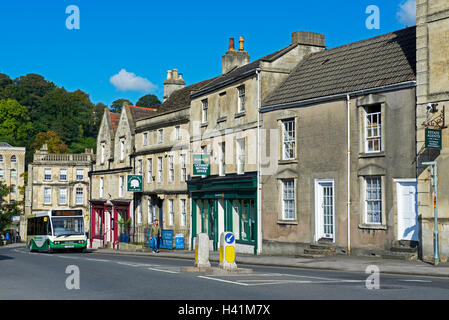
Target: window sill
x,y
240,114
372,154
373,226
292,161
222,119
288,222
204,124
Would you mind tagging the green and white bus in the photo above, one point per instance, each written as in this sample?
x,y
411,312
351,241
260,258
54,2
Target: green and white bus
x,y
56,229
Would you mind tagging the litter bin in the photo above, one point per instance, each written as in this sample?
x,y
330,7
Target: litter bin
x,y
179,241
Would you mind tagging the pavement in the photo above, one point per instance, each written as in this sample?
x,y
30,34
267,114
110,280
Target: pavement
x,y
336,263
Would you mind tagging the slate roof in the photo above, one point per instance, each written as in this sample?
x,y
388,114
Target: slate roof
x,y
141,112
4,144
179,99
241,72
383,60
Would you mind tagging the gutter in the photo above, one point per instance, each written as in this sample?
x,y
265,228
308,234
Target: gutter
x,y
392,87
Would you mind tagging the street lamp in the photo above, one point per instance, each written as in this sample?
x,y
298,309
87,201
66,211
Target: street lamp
x,y
435,210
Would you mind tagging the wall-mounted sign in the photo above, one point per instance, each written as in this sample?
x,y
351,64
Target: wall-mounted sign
x,y
201,164
134,183
433,139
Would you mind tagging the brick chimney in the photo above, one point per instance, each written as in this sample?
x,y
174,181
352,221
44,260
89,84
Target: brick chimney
x,y
173,82
234,58
311,39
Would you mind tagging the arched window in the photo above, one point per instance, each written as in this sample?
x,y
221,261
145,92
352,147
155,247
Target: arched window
x,y
13,159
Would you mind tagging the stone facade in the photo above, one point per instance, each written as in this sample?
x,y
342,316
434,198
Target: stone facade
x,y
59,181
223,125
111,203
12,167
432,87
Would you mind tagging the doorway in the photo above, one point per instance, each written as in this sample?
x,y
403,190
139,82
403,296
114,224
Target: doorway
x,y
324,210
408,227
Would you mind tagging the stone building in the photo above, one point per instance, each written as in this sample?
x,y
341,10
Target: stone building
x,y
59,181
111,203
224,133
162,156
339,168
12,167
432,23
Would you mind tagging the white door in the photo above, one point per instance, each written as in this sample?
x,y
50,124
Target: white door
x,y
324,210
408,227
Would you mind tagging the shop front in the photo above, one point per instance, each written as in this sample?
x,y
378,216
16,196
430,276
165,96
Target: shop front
x,y
110,222
225,204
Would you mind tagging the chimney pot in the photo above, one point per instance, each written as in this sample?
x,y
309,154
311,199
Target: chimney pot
x,y
241,41
175,74
231,44
168,74
180,76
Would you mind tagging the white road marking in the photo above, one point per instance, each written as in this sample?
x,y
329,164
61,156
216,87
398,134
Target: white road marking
x,y
99,260
417,280
222,280
168,271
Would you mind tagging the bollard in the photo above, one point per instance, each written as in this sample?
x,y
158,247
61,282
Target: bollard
x,y
202,250
227,251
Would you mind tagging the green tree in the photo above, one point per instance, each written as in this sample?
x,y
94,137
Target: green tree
x,y
53,141
117,105
7,210
15,124
149,100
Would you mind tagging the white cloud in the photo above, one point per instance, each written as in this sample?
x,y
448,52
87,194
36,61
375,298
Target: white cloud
x,y
128,81
407,12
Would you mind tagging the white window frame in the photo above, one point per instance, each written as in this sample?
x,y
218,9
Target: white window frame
x,y
241,99
151,211
62,174
183,204
376,190
145,139
13,174
183,173
62,196
288,200
2,173
171,168
171,212
139,212
177,133
160,170
204,107
79,173
1,158
150,170
160,136
288,139
369,119
79,195
47,195
139,166
13,159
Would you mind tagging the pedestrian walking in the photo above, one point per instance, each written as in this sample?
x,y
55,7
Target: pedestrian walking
x,y
155,233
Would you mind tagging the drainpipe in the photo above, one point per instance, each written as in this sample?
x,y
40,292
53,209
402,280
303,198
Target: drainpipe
x,y
348,203
259,193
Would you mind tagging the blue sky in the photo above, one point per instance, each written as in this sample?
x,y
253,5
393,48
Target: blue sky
x,y
146,38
